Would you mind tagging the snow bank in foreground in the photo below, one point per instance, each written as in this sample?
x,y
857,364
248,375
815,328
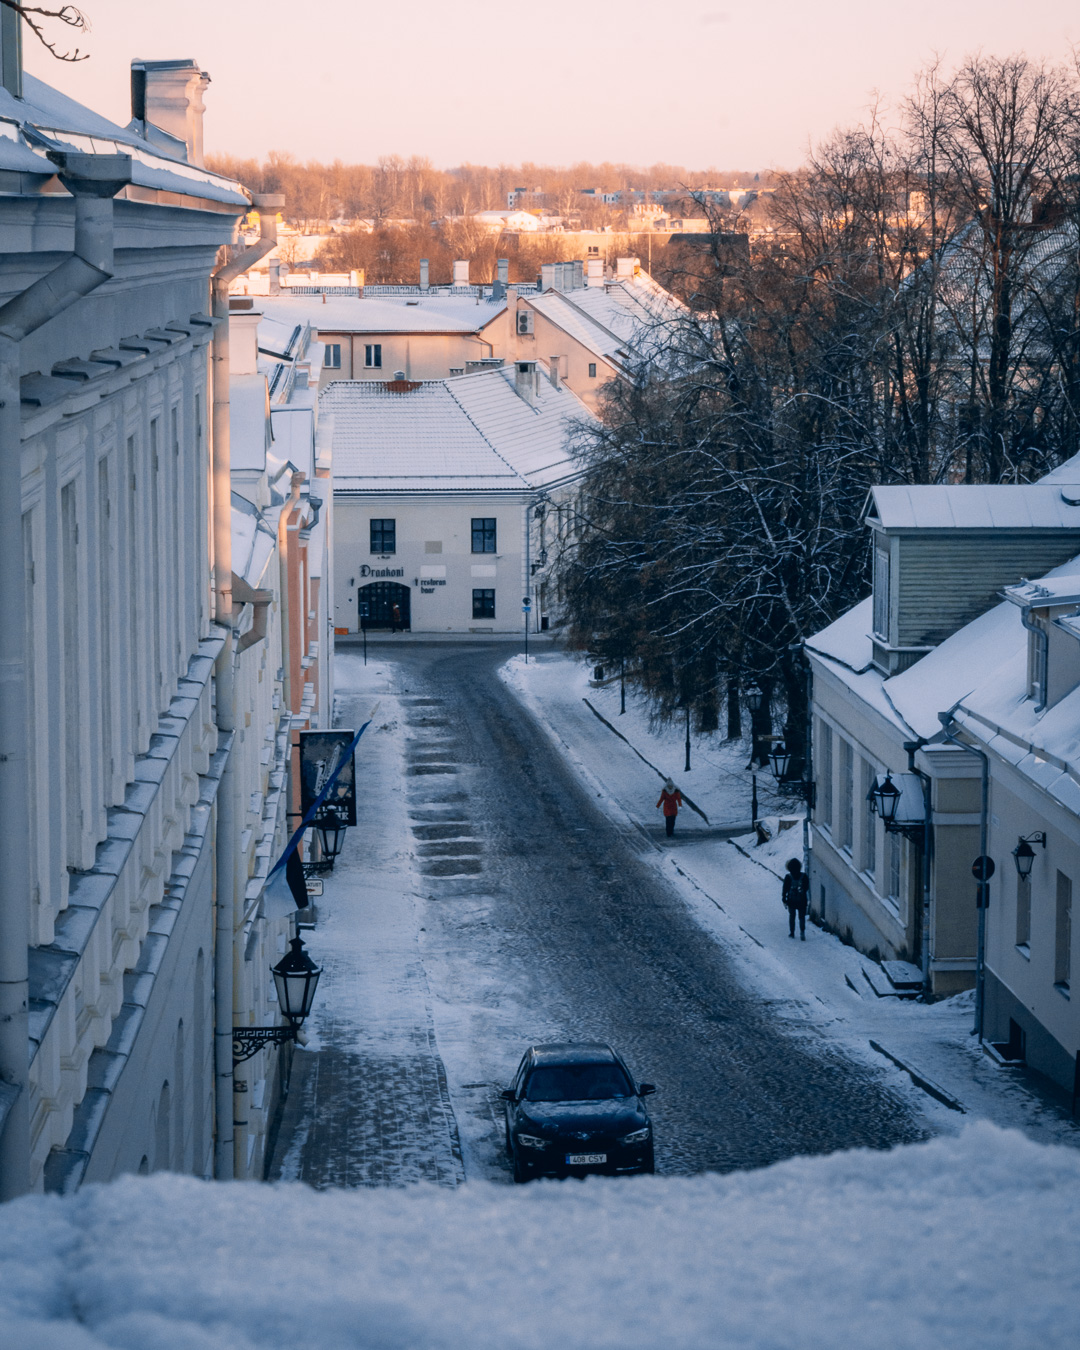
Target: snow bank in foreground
x,y
970,1241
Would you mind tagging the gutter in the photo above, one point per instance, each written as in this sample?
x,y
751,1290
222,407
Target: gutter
x,y
93,181
229,886
260,601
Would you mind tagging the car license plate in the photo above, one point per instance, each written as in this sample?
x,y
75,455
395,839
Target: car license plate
x,y
585,1159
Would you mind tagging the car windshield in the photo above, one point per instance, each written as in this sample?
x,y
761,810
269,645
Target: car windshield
x,y
577,1083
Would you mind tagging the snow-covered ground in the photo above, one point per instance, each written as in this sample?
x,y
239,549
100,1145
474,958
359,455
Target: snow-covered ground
x,y
733,888
962,1242
969,1240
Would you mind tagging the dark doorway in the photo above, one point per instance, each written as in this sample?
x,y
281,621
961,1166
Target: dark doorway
x,y
376,601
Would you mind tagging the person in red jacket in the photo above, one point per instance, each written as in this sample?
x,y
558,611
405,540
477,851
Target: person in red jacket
x,y
670,800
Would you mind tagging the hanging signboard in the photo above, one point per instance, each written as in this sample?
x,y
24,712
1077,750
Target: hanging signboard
x,y
321,756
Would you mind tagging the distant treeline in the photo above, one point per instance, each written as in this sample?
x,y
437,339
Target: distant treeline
x,y
413,189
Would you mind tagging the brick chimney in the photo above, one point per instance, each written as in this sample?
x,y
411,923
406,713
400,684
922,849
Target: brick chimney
x,y
169,95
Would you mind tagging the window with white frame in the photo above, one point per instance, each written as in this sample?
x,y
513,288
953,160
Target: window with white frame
x,y
1063,934
332,355
881,593
847,786
373,355
825,784
1023,913
892,868
869,821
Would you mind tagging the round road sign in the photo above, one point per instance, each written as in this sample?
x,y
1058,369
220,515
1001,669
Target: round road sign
x,y
982,869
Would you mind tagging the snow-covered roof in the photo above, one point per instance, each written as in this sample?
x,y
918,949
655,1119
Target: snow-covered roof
x,y
253,541
611,320
249,422
45,119
809,1252
845,650
472,433
955,667
383,313
1044,506
1050,591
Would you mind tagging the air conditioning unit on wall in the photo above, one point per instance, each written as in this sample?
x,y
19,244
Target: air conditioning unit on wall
x,y
524,322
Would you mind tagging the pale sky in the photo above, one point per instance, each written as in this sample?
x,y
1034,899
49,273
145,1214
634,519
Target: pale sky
x,y
702,83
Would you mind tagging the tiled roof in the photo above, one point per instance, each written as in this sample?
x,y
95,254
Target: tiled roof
x,y
474,433
383,314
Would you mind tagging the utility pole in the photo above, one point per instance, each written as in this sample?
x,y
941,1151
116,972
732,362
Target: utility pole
x,y
686,767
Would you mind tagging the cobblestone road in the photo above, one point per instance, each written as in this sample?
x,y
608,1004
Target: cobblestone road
x,y
577,931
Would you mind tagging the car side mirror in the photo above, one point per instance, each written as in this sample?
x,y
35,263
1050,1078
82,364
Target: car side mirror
x,y
645,1089
508,1095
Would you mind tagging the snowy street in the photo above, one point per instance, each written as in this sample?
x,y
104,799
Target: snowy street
x,y
488,899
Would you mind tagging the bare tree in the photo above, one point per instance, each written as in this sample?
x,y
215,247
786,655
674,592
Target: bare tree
x,y
35,15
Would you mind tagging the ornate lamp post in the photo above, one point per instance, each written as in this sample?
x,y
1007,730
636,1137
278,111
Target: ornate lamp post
x,y
331,830
1024,854
884,798
780,761
296,977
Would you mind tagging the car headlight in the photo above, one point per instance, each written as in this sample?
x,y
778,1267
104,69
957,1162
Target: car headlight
x,y
636,1137
531,1141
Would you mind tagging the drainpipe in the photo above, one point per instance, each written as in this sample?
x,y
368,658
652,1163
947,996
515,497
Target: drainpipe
x,y
227,838
287,510
912,747
1043,639
93,180
260,602
947,721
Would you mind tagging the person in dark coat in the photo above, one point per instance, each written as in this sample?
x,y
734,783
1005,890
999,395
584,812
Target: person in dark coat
x,y
796,895
670,800
395,618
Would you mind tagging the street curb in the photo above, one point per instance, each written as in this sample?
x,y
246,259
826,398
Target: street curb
x,y
920,1080
640,756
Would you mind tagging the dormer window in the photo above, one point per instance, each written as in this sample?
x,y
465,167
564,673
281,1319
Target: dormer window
x,y
881,594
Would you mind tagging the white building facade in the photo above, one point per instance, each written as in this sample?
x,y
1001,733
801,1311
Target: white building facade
x,y
445,498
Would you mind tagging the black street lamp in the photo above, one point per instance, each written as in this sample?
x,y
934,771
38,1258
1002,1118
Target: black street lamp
x,y
296,977
1024,854
331,830
780,761
884,798
754,697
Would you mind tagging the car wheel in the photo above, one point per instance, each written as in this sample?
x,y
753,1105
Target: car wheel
x,y
521,1173
509,1144
650,1162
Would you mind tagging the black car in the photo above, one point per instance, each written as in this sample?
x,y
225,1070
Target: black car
x,y
573,1109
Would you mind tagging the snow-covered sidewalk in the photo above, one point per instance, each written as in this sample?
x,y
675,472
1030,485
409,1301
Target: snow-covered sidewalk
x,y
733,888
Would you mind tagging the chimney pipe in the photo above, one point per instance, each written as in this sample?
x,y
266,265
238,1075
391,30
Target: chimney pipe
x,y
11,61
424,273
525,381
169,95
553,364
502,272
461,272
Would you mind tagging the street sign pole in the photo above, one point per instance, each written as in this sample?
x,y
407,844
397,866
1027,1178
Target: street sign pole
x,y
526,607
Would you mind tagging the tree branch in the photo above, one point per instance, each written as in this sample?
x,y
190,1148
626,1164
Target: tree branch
x,y
66,14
